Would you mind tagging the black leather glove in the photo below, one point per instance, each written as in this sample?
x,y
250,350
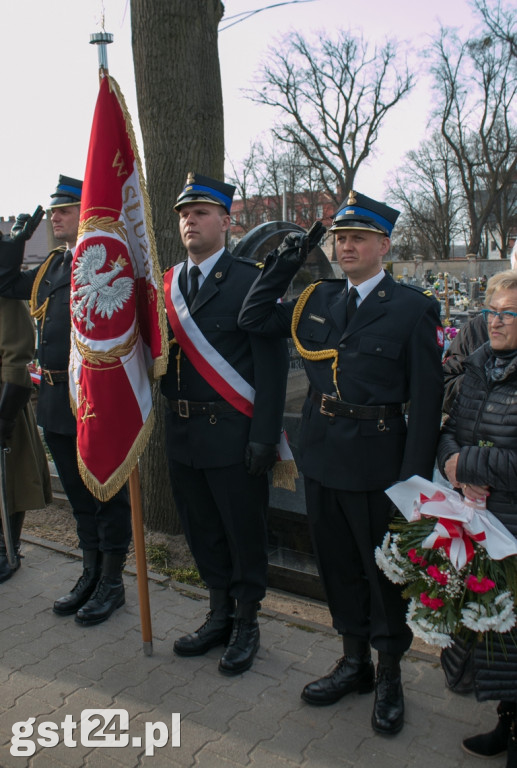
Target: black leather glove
x,y
259,458
14,397
25,224
6,431
294,248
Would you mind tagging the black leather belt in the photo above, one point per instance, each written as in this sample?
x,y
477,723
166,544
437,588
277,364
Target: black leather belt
x,y
54,377
186,408
331,406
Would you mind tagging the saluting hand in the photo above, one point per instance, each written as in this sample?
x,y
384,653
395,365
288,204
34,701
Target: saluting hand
x,y
25,224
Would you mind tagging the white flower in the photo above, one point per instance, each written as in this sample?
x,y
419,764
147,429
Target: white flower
x,y
498,617
390,561
425,629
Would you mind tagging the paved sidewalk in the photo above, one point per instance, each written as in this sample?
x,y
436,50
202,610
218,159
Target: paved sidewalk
x,y
51,669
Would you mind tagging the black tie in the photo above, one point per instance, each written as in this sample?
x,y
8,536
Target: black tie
x,y
351,304
194,284
67,258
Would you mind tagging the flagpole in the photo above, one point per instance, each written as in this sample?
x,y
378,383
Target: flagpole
x,y
141,564
102,39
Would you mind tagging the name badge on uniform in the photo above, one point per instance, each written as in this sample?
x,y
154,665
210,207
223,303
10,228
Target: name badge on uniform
x,y
316,318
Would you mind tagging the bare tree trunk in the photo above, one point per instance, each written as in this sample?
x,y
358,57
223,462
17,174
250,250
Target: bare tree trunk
x,y
180,108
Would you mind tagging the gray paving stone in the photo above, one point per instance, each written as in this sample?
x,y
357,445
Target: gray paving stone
x,y
237,740
51,667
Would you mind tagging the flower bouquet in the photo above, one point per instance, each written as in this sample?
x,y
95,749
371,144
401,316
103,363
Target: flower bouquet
x,y
458,563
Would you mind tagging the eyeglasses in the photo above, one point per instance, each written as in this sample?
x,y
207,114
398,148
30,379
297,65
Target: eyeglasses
x,y
504,317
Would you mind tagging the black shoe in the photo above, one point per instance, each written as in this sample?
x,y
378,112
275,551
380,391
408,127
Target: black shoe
x,y
5,569
494,743
215,631
351,674
388,709
242,647
84,587
107,597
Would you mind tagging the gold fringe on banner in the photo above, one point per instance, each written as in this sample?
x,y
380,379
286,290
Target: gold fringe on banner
x,y
106,491
284,475
160,363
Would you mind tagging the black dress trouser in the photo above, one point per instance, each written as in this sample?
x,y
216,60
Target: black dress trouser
x,y
346,527
102,525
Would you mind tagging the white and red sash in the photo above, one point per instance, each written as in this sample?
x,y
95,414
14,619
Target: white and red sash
x,y
207,361
217,371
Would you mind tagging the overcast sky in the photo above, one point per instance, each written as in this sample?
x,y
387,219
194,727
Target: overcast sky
x,y
50,80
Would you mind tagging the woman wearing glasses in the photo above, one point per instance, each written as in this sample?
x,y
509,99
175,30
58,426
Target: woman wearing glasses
x,y
477,452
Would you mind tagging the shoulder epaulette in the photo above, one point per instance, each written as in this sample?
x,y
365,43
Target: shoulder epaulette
x,y
425,291
251,262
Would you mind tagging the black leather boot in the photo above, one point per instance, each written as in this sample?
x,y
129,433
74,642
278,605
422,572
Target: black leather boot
x,y
216,629
6,571
244,641
109,593
495,742
354,672
84,587
388,709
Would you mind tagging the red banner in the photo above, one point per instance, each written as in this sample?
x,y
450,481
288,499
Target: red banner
x,y
119,338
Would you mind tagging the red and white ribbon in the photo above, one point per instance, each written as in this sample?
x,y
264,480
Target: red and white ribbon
x,y
458,523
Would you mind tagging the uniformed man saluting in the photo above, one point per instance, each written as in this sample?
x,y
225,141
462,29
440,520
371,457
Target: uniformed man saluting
x,y
103,528
370,346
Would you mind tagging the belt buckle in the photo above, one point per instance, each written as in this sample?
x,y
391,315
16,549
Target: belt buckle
x,y
183,409
48,377
324,400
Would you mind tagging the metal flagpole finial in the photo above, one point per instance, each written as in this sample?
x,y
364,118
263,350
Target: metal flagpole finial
x,y
102,39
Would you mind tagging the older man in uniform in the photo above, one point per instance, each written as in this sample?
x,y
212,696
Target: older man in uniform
x,y
225,391
103,528
370,346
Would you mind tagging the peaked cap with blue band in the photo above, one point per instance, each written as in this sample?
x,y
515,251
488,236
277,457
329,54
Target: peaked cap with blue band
x,y
361,212
68,192
202,189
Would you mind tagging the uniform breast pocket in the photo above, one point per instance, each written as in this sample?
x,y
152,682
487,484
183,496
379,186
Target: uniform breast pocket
x,y
312,329
387,352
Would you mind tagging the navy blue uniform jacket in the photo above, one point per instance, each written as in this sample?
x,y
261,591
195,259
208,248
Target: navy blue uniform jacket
x,y
262,362
389,353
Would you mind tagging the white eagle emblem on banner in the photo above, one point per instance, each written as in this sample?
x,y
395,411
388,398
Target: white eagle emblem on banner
x,y
93,291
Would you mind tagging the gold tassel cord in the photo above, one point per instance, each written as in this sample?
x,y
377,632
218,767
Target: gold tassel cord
x,y
320,354
39,313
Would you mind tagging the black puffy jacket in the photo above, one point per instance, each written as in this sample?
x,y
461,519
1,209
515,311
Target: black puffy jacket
x,y
471,336
482,427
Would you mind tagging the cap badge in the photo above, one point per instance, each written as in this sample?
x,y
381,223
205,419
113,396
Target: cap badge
x,y
352,199
191,178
